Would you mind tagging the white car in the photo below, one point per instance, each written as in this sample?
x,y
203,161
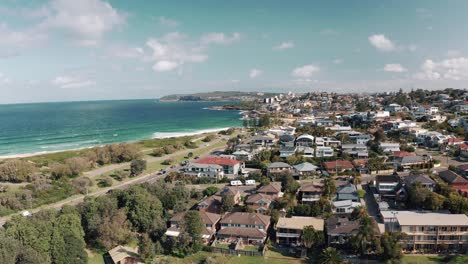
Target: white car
x,y
236,183
250,182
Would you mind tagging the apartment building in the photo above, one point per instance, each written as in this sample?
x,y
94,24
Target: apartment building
x,y
431,232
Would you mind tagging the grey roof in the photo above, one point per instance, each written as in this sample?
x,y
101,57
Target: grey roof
x,y
306,166
422,178
451,177
278,165
260,137
348,188
286,138
412,159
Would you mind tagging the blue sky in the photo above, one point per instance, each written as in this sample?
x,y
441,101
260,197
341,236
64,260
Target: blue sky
x,y
62,50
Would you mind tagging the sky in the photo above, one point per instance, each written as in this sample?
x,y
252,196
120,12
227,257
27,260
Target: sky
x,y
69,50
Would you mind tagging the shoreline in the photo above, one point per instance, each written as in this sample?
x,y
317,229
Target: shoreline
x,y
156,135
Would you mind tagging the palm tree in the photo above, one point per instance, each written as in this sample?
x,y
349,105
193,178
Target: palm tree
x,y
359,213
330,256
364,240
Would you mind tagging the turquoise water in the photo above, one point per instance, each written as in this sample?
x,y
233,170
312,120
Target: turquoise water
x,y
45,127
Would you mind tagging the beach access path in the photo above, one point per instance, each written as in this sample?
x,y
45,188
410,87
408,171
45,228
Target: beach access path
x,y
76,199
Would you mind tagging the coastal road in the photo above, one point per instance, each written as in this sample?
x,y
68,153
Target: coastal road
x,y
152,177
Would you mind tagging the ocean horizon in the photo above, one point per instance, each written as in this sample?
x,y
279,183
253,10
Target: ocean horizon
x,y
37,128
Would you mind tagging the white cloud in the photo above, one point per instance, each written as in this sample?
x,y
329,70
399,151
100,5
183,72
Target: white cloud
x,y
305,71
394,67
382,43
338,61
455,69
453,53
173,50
284,45
219,38
4,79
67,81
15,38
254,73
85,20
167,22
120,51
162,66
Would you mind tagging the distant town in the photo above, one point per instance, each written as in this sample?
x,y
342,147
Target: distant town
x,y
315,178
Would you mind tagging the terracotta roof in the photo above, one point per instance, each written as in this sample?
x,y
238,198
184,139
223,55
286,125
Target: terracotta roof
x,y
463,166
299,222
342,226
242,232
360,162
218,161
464,146
257,197
453,140
401,154
208,218
311,187
245,219
270,188
120,253
338,164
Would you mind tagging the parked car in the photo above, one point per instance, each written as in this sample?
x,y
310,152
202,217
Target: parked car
x,y
236,183
249,182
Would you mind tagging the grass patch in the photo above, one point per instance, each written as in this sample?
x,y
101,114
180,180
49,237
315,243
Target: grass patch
x,y
95,258
219,258
434,259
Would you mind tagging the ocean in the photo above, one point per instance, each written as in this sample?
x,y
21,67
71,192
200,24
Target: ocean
x,y
49,127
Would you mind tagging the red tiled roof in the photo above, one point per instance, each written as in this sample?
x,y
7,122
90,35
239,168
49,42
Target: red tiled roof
x,y
401,154
453,140
338,164
463,166
464,146
360,162
218,161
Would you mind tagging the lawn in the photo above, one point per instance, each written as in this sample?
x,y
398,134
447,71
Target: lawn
x,y
95,258
434,259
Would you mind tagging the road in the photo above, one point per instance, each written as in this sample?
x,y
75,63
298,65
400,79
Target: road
x,y
152,177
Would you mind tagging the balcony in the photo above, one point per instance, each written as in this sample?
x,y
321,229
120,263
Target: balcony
x,y
290,235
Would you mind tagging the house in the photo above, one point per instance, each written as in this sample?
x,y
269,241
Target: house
x,y
272,189
338,166
125,255
310,191
319,152
305,169
433,232
340,230
276,168
362,139
242,155
451,177
210,220
464,152
361,165
327,142
289,230
259,202
401,154
422,179
211,204
286,140
347,192
305,140
251,228
199,170
463,169
232,190
286,151
263,141
394,108
231,167
387,186
409,162
390,147
355,150
344,206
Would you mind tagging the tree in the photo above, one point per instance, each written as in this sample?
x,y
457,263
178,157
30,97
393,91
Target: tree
x,y
193,225
210,191
312,238
58,171
137,167
146,248
330,256
158,152
264,121
16,170
227,202
359,213
364,240
391,249
77,165
329,188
